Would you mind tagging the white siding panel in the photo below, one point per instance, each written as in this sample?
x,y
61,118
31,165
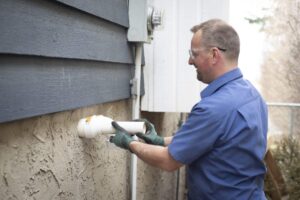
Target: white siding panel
x,y
170,83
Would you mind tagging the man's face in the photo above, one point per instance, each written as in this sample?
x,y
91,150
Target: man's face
x,y
199,58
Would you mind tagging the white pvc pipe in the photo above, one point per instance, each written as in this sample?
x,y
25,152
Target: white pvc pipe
x,y
136,114
91,126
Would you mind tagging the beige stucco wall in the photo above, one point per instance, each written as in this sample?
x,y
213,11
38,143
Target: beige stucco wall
x,y
154,183
43,158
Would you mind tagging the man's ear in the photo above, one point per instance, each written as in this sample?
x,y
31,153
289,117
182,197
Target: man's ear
x,y
215,55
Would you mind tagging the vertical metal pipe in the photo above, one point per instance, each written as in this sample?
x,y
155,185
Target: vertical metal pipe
x,y
136,113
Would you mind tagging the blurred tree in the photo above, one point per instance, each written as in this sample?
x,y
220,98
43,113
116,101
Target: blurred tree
x,y
281,65
281,69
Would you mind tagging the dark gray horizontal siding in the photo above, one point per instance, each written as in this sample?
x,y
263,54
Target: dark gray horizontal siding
x,y
61,55
111,10
51,29
31,86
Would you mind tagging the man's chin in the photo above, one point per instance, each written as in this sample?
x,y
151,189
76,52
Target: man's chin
x,y
199,77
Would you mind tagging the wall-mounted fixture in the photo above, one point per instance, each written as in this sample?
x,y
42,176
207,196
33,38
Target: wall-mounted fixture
x,y
154,20
143,19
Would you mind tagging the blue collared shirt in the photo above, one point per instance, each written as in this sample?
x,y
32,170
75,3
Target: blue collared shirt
x,y
223,141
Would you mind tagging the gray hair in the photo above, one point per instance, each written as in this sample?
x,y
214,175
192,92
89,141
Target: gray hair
x,y
217,33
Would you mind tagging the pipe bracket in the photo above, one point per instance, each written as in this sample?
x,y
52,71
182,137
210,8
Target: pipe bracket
x,y
133,88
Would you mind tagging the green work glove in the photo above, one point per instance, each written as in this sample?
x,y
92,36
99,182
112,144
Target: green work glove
x,y
150,137
122,138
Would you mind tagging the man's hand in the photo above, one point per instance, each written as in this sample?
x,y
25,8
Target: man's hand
x,y
150,137
122,138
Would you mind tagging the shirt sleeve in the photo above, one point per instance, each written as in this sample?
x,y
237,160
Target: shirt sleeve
x,y
197,135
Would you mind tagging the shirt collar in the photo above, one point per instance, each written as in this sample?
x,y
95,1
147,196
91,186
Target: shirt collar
x,y
222,80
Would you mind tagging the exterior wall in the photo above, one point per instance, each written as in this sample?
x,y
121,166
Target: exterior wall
x,y
43,158
62,55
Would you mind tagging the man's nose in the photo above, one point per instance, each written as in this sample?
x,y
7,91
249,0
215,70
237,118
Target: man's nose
x,y
190,61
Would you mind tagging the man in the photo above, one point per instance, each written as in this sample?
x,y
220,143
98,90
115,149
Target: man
x,y
223,141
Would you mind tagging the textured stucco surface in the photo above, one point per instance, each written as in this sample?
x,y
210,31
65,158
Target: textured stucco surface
x,y
154,183
43,158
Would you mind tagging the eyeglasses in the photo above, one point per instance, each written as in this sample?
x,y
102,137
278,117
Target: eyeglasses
x,y
193,55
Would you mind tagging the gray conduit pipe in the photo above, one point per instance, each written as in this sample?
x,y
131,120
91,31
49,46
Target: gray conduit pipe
x,y
136,113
